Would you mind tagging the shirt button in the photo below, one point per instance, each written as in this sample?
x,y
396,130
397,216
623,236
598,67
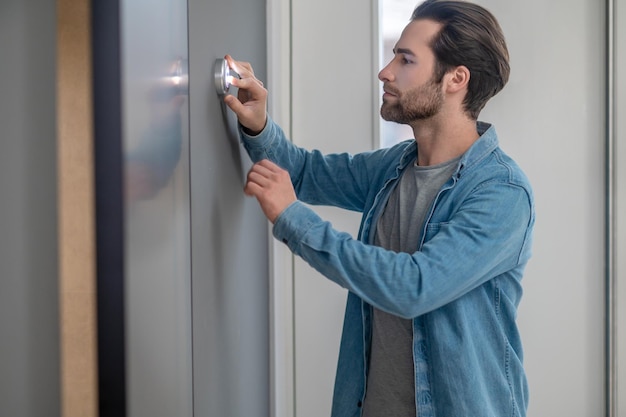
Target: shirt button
x,y
421,350
424,398
359,404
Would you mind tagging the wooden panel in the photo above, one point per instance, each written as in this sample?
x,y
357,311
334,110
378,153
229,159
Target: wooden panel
x,y
76,210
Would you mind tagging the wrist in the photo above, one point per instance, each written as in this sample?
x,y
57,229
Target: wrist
x,y
254,131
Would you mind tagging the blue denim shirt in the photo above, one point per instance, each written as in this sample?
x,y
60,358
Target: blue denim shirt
x,y
461,288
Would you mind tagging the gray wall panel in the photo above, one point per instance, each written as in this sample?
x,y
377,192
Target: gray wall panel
x,y
29,336
229,232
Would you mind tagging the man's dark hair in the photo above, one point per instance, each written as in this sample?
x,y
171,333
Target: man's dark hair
x,y
470,36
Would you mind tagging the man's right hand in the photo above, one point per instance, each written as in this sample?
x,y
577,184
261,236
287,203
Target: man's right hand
x,y
272,187
251,102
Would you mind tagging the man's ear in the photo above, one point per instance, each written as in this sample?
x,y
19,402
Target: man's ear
x,y
457,79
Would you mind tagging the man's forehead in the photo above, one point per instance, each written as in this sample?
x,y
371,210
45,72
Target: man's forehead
x,y
418,34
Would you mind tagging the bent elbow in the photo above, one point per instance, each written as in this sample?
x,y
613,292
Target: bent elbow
x,y
405,309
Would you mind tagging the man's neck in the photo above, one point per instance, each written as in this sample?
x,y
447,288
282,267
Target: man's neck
x,y
439,141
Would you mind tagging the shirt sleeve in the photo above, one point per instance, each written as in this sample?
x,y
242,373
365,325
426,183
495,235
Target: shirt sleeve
x,y
484,238
339,180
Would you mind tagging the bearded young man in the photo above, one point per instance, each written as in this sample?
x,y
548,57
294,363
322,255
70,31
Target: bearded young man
x,y
434,278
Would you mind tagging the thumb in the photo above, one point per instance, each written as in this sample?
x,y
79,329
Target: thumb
x,y
245,115
235,105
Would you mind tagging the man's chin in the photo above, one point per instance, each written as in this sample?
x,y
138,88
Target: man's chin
x,y
389,116
387,113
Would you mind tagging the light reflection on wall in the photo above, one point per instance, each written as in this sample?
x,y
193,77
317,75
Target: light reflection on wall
x,y
157,249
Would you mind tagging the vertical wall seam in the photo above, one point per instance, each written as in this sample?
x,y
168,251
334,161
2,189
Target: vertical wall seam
x,y
282,268
191,212
610,220
377,48
292,256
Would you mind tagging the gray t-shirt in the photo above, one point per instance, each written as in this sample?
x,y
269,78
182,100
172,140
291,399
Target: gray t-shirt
x,y
391,381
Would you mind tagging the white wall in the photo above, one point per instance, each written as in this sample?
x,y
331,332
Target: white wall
x,y
550,119
334,85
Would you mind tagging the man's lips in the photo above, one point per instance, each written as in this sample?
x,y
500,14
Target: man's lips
x,y
389,92
387,95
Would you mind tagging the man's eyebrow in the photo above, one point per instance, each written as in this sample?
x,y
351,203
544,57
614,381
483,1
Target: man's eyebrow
x,y
403,51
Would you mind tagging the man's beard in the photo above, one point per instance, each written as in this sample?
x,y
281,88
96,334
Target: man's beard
x,y
421,103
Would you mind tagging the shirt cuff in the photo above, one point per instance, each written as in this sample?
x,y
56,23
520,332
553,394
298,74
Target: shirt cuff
x,y
260,140
293,224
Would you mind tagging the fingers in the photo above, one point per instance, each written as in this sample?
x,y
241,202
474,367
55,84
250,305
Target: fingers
x,y
251,101
269,165
235,105
252,85
251,113
247,79
244,69
264,174
271,185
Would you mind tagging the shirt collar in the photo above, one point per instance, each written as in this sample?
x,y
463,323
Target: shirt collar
x,y
484,145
